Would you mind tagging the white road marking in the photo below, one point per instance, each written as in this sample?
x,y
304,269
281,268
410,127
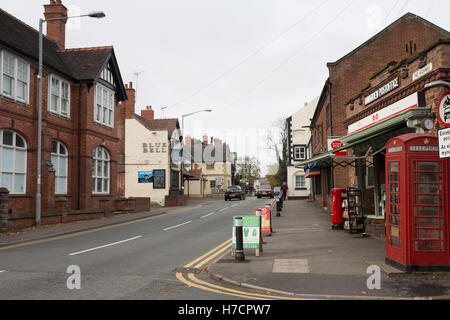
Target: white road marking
x,y
1,271
179,225
224,209
234,205
208,215
107,245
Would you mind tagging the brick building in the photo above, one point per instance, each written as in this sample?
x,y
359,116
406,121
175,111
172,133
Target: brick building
x,y
82,124
341,101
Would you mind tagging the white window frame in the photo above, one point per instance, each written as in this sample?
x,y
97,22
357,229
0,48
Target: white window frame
x,y
296,182
299,148
58,110
58,156
14,171
95,174
15,79
99,118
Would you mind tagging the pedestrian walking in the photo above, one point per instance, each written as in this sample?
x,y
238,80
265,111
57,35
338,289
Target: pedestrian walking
x,y
285,188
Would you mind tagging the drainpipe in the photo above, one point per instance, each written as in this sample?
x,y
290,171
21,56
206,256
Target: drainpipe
x,y
79,150
332,132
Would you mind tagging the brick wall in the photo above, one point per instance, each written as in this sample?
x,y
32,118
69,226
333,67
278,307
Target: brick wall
x,y
350,75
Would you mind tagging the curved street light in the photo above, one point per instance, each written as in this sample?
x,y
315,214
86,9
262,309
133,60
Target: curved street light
x,y
93,14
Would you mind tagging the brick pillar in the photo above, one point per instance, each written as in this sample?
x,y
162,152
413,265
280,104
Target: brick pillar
x,y
48,187
4,198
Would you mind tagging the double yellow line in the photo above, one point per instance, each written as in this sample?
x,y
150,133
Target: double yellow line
x,y
203,285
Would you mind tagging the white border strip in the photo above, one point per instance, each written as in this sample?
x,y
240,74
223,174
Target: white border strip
x,y
107,245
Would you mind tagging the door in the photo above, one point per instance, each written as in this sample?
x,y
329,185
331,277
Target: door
x,y
395,247
429,241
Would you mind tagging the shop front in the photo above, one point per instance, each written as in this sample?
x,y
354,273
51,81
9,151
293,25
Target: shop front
x,y
408,97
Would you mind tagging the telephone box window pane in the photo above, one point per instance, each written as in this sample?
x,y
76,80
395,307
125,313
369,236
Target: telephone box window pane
x,y
426,245
428,200
395,242
395,232
428,234
427,222
428,177
428,188
395,187
428,211
395,220
428,166
395,166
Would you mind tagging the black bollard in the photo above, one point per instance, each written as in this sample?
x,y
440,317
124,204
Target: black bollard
x,y
239,256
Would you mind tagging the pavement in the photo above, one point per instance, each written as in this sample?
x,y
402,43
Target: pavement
x,y
46,232
305,257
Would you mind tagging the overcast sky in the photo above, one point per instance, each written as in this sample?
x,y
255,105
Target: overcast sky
x,y
251,61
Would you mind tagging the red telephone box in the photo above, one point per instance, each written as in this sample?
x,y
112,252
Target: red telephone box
x,y
417,215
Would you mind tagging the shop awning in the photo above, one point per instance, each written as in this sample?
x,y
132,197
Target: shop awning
x,y
312,173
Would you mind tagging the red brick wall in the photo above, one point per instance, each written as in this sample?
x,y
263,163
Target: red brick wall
x,y
351,74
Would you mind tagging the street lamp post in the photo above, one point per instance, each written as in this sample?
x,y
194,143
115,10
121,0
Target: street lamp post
x,y
182,157
94,14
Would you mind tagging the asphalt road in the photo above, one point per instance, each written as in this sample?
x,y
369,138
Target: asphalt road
x,y
131,261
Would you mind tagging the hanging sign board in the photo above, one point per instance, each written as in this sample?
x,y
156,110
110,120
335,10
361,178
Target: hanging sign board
x,y
265,219
250,228
444,110
334,144
444,143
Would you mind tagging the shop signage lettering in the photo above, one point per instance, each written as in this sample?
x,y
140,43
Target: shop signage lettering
x,y
154,147
444,143
395,149
423,71
394,109
424,148
391,85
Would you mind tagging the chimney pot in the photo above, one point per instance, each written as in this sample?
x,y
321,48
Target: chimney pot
x,y
56,29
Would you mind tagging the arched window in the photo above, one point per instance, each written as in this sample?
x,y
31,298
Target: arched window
x,y
13,162
60,161
100,171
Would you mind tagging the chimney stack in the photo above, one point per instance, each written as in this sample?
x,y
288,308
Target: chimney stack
x,y
148,113
130,103
56,30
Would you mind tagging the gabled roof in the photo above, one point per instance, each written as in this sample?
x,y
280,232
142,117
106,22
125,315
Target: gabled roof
x,y
169,125
23,39
77,64
408,15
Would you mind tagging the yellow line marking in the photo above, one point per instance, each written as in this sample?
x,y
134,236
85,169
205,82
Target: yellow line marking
x,y
252,295
207,254
191,284
227,247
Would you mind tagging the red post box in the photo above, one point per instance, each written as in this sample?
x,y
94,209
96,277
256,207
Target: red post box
x,y
417,189
337,220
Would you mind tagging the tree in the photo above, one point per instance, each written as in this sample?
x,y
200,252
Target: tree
x,y
248,167
278,143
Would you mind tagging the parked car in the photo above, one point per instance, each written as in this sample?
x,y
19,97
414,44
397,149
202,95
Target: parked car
x,y
234,193
264,191
277,191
